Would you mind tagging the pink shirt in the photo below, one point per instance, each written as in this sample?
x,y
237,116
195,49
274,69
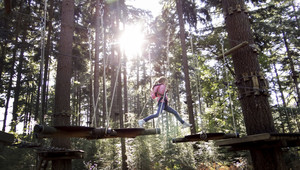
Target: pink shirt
x,y
160,91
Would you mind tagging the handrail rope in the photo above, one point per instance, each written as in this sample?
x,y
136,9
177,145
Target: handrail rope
x,y
198,84
43,32
228,87
113,95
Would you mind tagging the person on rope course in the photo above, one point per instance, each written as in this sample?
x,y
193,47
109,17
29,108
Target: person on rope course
x,y
159,91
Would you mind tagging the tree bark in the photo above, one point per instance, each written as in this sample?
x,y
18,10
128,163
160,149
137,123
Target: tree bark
x,y
185,66
62,109
256,108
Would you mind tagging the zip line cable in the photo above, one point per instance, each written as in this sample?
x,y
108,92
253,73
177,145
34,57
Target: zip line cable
x,y
168,68
150,83
198,84
113,95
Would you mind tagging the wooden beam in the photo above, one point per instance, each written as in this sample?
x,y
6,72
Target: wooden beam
x,y
89,132
262,140
233,49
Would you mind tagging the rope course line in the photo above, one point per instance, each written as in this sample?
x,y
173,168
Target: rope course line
x,y
228,87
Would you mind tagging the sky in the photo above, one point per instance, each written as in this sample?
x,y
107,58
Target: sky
x,y
151,5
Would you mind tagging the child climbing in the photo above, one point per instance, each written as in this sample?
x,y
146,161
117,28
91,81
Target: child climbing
x,y
159,91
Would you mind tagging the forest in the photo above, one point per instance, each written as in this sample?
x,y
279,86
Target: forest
x,y
76,77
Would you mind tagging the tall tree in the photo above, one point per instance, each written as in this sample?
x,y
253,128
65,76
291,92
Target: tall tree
x,y
47,58
62,109
179,6
18,87
256,108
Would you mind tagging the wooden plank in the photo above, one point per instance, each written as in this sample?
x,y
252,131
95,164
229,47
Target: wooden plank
x,y
6,138
280,139
58,155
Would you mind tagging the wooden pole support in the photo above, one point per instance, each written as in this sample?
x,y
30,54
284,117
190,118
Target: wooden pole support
x,y
205,137
89,132
243,44
6,138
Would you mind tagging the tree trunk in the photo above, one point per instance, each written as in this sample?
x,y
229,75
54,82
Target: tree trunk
x,y
104,96
138,109
185,66
12,69
12,73
2,58
97,68
18,83
61,116
46,71
255,105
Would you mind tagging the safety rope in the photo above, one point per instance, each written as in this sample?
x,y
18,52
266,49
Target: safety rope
x,y
113,95
168,68
228,87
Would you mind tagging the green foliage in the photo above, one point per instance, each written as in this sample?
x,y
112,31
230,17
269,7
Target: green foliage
x,y
271,23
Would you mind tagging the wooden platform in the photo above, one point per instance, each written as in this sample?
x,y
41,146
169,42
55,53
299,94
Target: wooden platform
x,y
205,137
6,138
264,140
57,155
46,156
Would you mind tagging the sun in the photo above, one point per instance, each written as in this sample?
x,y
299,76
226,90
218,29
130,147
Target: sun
x,y
132,41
